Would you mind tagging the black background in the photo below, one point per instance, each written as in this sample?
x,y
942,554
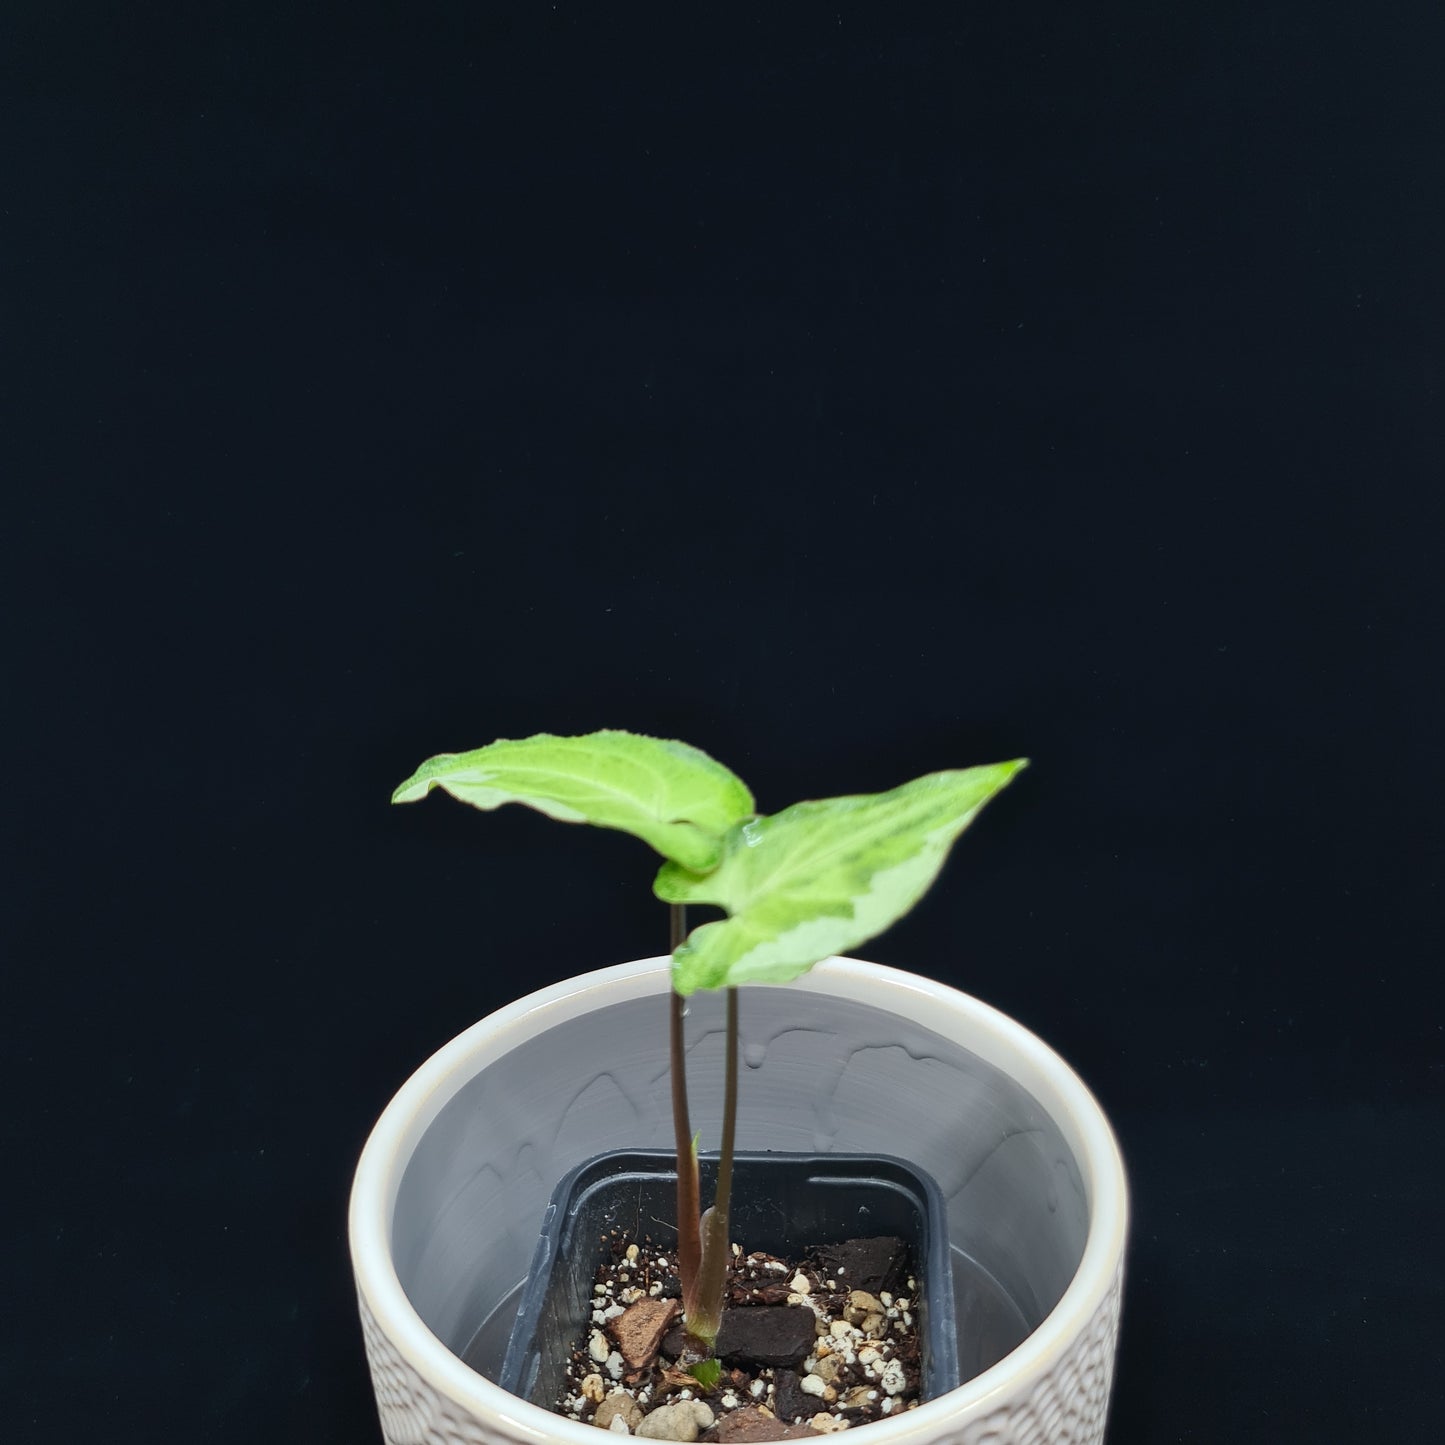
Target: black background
x,y
851,393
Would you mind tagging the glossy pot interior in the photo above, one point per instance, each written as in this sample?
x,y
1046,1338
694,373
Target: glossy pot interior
x,y
824,1072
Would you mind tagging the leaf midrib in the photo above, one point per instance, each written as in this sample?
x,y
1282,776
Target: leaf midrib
x,y
591,788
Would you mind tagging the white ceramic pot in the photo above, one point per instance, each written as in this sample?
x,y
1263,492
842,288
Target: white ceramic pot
x,y
853,1057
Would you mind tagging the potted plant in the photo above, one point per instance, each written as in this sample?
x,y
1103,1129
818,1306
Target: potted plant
x,y
1035,1211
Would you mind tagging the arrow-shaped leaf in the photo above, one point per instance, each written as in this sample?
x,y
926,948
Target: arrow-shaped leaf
x,y
669,794
821,877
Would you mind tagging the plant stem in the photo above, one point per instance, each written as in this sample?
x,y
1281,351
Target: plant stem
x,y
704,1321
723,1201
689,1204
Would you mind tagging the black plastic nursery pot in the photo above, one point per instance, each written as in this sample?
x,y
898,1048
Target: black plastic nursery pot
x,y
782,1204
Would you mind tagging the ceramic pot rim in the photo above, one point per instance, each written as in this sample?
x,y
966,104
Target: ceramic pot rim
x,y
992,1035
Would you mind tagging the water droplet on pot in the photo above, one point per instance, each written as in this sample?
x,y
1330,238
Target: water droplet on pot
x,y
754,1054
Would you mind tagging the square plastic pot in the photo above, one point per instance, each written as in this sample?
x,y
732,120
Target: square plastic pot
x,y
782,1204
851,1059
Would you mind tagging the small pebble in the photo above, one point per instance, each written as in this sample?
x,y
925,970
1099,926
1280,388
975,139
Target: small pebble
x,y
598,1347
893,1379
618,1406
800,1283
812,1385
593,1389
684,1421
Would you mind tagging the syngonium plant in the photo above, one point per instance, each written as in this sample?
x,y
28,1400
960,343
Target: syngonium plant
x,y
797,886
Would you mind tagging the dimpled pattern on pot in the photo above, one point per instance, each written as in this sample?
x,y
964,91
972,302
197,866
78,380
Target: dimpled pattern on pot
x,y
1067,1405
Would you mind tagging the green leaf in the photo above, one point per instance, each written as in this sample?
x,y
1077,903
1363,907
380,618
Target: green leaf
x,y
821,877
706,1372
669,794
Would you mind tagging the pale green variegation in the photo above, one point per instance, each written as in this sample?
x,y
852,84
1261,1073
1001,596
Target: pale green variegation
x,y
821,877
670,794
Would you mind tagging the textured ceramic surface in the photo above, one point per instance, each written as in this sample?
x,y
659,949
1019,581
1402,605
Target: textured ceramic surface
x,y
854,1057
1064,1405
